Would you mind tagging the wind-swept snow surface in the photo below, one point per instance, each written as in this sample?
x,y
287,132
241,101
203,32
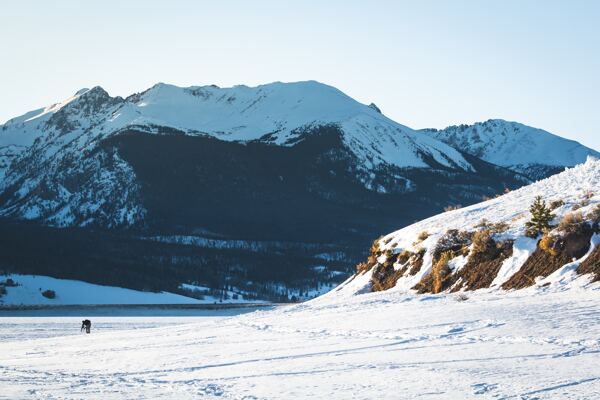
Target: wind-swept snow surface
x,y
387,345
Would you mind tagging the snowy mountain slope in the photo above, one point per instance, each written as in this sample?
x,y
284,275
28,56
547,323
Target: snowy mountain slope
x,y
54,169
403,260
277,112
524,149
19,133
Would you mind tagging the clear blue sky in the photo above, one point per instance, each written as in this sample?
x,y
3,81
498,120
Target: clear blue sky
x,y
424,63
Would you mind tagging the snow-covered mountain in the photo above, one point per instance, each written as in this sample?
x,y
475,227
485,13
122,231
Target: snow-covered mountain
x,y
51,168
300,166
530,151
486,246
277,113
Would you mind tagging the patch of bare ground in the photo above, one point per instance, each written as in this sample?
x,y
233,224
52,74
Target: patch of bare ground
x,y
551,254
385,276
482,267
453,243
591,265
415,262
439,277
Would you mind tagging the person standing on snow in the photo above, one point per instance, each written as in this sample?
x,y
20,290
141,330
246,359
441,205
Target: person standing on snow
x,y
87,325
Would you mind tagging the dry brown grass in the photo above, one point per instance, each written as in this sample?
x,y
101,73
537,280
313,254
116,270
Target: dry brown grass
x,y
362,267
591,265
384,275
594,216
493,227
482,242
452,207
481,268
404,256
416,262
455,240
553,252
572,222
422,236
440,272
554,204
548,244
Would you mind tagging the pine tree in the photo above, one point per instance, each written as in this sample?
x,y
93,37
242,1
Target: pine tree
x,y
540,218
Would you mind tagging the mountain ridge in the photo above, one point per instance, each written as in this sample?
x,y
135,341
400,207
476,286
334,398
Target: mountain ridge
x,y
524,149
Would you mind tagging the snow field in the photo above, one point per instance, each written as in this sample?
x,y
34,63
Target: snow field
x,y
519,345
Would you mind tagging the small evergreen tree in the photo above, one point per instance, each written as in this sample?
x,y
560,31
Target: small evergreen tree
x,y
540,218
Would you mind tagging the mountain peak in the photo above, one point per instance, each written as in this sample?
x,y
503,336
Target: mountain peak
x,y
374,107
527,150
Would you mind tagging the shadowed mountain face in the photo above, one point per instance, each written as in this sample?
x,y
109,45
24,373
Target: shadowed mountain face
x,y
274,190
307,191
254,216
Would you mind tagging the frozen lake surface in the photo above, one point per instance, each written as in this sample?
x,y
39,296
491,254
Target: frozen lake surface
x,y
523,345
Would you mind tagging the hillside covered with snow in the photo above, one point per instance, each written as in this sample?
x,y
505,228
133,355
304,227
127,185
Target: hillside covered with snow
x,y
486,245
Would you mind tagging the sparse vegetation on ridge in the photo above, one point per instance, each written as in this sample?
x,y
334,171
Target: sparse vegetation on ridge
x,y
541,216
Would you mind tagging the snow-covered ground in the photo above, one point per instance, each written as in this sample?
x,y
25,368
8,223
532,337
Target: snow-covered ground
x,y
530,344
